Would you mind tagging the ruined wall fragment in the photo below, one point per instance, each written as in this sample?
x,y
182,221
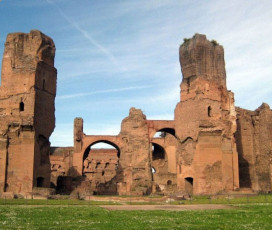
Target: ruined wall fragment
x,y
254,144
78,133
61,159
134,171
27,94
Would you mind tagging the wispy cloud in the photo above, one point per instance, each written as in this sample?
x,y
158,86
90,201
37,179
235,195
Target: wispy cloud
x,y
69,96
159,101
86,35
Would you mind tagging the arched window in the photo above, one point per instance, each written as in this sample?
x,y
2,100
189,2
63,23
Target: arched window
x,y
209,111
169,182
21,106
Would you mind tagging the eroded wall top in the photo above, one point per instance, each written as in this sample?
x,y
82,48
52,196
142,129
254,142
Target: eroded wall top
x,y
200,57
23,51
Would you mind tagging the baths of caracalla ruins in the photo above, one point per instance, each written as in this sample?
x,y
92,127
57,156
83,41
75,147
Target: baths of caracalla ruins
x,y
210,147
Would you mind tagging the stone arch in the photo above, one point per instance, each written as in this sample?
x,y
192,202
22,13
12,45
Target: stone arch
x,y
165,130
168,130
86,151
161,125
100,167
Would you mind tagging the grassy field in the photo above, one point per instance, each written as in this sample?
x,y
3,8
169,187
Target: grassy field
x,y
253,216
247,213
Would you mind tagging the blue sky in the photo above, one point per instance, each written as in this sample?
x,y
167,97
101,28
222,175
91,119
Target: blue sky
x,y
112,55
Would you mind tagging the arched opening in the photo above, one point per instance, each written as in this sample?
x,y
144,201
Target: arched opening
x,y
101,144
158,152
60,184
168,130
21,106
189,185
100,164
40,182
163,132
164,148
209,111
159,167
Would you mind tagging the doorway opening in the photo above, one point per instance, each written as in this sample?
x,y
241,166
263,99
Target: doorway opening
x,y
40,181
189,185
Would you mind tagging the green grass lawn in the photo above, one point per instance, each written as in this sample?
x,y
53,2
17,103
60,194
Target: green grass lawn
x,y
246,216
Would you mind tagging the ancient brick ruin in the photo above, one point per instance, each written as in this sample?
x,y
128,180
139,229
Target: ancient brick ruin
x,y
27,111
210,147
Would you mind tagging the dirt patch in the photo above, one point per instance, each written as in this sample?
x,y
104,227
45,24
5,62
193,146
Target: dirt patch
x,y
167,207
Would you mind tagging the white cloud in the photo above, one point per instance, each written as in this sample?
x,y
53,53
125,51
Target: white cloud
x,y
86,35
69,96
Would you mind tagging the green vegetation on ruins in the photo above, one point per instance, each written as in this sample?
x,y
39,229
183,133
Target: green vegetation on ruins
x,y
186,40
214,42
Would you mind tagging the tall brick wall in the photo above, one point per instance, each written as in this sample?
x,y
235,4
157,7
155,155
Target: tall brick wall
x,y
205,118
27,109
254,144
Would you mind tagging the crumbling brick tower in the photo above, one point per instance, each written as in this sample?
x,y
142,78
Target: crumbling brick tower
x,y
205,121
27,111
